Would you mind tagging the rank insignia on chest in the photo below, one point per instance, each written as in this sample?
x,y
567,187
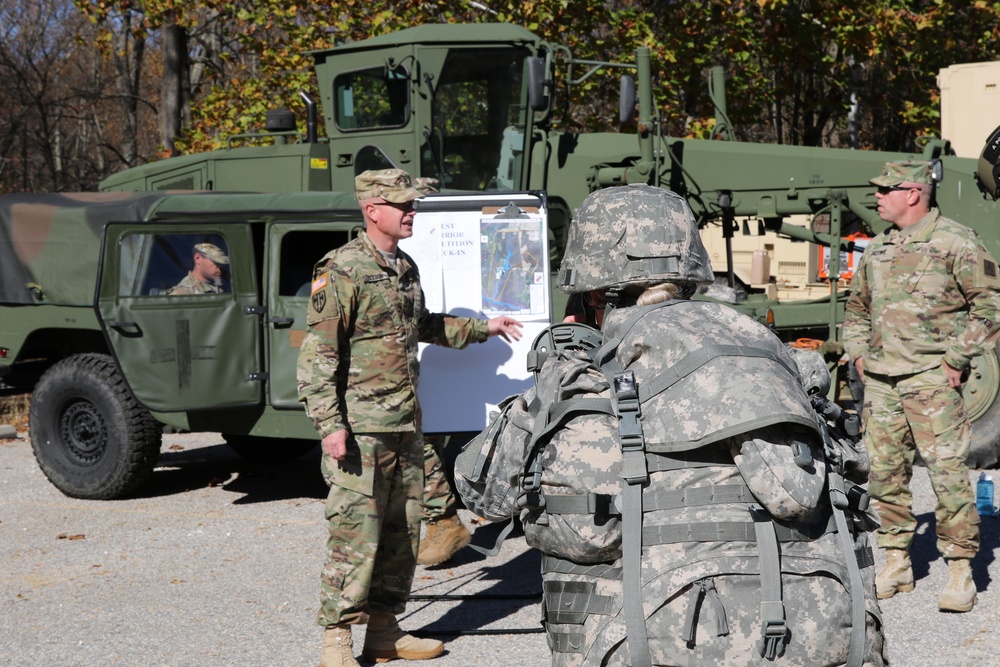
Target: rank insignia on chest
x,y
989,268
376,277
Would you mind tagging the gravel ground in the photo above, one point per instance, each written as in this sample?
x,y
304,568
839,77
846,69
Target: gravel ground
x,y
216,562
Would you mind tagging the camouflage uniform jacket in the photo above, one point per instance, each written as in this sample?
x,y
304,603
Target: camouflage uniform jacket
x,y
920,294
358,362
194,285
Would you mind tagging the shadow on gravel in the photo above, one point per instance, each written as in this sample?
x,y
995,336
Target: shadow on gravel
x,y
989,540
518,585
183,471
923,550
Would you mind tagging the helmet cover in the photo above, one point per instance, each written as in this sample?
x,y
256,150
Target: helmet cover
x,y
633,235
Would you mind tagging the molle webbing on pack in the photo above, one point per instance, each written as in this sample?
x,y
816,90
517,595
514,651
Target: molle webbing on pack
x,y
560,595
572,601
563,566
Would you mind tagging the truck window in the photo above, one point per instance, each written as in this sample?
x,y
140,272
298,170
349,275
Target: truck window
x,y
371,157
372,98
176,264
300,252
476,100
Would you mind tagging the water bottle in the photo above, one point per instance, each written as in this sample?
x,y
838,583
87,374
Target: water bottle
x,y
984,495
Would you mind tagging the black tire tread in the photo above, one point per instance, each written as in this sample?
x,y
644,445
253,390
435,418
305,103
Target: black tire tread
x,y
142,432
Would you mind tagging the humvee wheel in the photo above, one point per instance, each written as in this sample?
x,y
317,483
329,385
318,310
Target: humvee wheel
x,y
90,436
258,449
982,400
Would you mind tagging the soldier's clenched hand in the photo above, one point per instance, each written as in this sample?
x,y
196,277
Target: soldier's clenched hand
x,y
505,327
335,444
954,374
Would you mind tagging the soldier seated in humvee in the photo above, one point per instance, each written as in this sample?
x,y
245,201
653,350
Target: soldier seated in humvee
x,y
206,275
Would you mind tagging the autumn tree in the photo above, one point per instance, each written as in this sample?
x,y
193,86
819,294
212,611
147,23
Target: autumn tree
x,y
812,72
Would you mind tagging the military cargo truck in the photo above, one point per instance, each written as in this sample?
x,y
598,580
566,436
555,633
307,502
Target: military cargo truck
x,y
90,324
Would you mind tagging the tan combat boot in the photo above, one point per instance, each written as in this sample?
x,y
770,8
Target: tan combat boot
x,y
384,641
338,647
896,576
443,540
959,593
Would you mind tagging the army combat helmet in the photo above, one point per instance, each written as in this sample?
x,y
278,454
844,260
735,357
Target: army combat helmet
x,y
633,236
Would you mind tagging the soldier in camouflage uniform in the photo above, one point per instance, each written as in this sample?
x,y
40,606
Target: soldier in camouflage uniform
x,y
357,376
206,276
690,521
923,303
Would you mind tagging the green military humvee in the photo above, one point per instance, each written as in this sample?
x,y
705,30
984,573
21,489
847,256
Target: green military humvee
x,y
88,323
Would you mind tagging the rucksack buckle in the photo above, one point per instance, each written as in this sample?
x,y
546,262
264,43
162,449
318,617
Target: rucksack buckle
x,y
772,642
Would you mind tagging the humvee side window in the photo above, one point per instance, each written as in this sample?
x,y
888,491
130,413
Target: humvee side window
x,y
300,251
176,264
373,98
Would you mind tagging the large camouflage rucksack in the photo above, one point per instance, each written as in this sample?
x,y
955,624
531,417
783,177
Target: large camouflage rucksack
x,y
742,549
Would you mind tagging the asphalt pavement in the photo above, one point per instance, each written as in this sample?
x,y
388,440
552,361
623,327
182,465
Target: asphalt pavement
x,y
215,562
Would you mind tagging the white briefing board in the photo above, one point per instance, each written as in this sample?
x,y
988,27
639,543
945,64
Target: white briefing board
x,y
479,255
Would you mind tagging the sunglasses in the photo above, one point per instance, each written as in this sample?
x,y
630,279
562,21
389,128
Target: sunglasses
x,y
886,189
404,207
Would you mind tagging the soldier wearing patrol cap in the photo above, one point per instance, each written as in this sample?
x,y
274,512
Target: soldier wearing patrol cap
x,y
206,275
357,375
923,303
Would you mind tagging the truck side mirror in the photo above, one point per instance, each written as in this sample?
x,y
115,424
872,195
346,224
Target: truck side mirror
x,y
538,100
626,100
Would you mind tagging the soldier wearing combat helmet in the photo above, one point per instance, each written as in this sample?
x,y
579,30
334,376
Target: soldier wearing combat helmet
x,y
659,455
357,376
923,303
206,275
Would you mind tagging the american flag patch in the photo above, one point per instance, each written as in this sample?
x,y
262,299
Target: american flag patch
x,y
319,283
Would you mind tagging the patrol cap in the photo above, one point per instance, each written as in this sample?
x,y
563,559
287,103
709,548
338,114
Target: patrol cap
x,y
392,185
907,171
212,251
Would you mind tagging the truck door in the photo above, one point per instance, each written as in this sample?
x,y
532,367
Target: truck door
x,y
179,306
294,248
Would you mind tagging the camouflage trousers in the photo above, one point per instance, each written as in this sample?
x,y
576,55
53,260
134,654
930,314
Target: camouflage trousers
x,y
373,515
439,499
914,413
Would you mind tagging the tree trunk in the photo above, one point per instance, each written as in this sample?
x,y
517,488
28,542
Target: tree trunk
x,y
172,97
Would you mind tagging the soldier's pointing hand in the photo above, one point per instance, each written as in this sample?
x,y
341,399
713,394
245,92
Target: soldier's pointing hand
x,y
506,327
